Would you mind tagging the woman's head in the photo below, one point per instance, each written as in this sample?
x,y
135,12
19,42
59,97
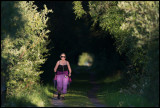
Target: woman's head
x,y
63,56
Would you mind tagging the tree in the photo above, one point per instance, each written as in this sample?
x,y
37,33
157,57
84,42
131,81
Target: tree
x,y
135,27
23,42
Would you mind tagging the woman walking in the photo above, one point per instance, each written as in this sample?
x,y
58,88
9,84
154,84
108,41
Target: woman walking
x,y
62,67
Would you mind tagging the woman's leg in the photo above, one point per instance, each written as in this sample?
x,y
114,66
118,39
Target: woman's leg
x,y
59,83
65,82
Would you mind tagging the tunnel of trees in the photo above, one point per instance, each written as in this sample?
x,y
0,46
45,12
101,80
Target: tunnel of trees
x,y
120,37
75,37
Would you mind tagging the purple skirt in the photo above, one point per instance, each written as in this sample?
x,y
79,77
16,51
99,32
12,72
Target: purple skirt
x,y
59,73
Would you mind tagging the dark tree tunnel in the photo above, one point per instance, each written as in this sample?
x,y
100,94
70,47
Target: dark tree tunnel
x,y
112,48
74,37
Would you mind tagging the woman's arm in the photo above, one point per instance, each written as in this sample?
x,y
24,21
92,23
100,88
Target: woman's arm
x,y
69,68
55,68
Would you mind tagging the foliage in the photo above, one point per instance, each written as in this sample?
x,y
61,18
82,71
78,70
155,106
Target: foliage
x,y
143,22
78,9
107,14
85,59
135,28
24,46
110,95
37,97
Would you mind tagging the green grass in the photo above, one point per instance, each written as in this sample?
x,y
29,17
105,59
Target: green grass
x,y
77,95
117,99
110,94
37,97
41,95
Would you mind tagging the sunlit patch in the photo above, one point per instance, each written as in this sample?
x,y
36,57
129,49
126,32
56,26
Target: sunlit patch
x,y
75,100
47,92
40,104
85,59
113,78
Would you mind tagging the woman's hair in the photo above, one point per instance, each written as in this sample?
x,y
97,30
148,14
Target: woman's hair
x,y
62,53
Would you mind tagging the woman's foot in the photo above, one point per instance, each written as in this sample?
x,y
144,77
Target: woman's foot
x,y
58,96
63,98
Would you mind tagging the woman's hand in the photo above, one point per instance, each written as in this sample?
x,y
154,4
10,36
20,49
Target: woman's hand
x,y
69,74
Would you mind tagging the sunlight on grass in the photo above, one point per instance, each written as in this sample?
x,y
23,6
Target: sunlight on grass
x,y
109,79
77,100
46,90
37,100
77,94
37,97
113,78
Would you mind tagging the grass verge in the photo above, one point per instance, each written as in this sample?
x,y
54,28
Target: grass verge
x,y
112,94
77,94
37,97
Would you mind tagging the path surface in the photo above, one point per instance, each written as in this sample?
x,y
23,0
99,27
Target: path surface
x,y
57,102
93,91
91,95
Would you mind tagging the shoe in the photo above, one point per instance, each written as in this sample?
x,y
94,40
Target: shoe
x,y
63,98
58,96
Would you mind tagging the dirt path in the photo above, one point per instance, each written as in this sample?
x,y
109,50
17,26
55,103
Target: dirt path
x,y
93,91
57,102
91,95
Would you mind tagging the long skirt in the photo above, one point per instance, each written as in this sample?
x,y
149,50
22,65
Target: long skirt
x,y
61,81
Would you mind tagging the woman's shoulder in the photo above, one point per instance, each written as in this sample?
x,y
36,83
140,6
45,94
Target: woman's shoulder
x,y
67,61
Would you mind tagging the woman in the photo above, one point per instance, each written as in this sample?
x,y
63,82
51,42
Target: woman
x,y
62,67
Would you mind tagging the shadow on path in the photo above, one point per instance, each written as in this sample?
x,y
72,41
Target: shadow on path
x,y
93,91
57,102
91,94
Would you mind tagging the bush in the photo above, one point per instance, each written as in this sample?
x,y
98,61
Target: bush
x,y
24,40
